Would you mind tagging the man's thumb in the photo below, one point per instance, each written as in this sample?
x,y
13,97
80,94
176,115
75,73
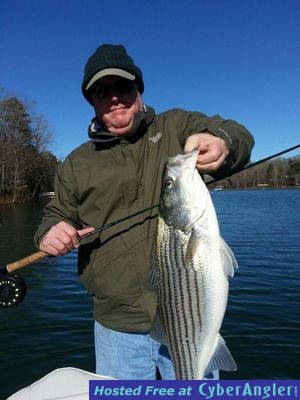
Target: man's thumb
x,y
85,231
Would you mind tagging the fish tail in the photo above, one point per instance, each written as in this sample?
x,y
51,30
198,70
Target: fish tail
x,y
221,358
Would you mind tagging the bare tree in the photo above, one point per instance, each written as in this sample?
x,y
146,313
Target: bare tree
x,y
24,158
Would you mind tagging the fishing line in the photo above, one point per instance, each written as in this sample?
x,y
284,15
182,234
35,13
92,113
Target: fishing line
x,y
274,147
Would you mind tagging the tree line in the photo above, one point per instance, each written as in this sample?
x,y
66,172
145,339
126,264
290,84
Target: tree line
x,y
278,173
27,167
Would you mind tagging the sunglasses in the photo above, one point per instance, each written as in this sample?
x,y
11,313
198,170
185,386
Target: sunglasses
x,y
122,86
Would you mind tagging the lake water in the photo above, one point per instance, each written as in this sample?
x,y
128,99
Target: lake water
x,y
53,326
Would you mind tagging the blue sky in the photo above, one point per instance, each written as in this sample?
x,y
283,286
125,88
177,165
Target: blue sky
x,y
236,58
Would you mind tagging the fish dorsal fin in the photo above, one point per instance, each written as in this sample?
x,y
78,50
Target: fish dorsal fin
x,y
228,258
221,359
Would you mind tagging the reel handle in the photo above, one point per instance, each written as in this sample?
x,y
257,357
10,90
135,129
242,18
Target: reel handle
x,y
39,255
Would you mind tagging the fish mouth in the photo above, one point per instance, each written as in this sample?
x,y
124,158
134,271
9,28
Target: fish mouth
x,y
189,161
194,155
181,160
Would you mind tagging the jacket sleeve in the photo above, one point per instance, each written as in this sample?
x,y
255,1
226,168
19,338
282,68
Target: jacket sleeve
x,y
64,205
238,139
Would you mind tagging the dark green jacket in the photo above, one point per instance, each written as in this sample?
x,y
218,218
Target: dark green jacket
x,y
108,178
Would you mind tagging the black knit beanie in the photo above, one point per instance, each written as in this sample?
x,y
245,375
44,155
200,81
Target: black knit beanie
x,y
109,56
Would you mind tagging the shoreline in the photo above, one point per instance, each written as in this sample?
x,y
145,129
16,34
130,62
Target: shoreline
x,y
6,200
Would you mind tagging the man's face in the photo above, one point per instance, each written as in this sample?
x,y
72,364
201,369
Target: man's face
x,y
116,102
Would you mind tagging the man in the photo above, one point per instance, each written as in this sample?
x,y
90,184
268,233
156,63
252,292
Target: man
x,y
116,173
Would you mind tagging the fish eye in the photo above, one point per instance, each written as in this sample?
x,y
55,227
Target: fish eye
x,y
169,184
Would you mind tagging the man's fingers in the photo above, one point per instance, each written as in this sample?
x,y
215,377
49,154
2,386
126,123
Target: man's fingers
x,y
68,235
208,157
212,155
212,151
61,247
49,249
53,246
62,238
209,163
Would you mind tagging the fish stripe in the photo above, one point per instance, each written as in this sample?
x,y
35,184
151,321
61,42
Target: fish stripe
x,y
174,309
187,308
191,329
181,317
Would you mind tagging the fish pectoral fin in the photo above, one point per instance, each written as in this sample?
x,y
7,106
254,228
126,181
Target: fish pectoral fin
x,y
157,331
192,249
221,359
228,258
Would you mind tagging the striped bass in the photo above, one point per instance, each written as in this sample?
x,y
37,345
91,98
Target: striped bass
x,y
193,264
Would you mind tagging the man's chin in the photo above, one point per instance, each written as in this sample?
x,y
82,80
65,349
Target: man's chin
x,y
121,130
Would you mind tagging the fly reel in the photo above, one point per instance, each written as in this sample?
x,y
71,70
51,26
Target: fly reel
x,y
12,286
12,290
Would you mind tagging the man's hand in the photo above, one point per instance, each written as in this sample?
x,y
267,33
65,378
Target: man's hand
x,y
212,151
62,238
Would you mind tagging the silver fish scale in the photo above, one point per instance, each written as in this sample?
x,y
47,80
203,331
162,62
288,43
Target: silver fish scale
x,y
178,299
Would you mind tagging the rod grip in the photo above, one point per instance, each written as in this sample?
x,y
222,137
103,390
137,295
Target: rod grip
x,y
39,255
